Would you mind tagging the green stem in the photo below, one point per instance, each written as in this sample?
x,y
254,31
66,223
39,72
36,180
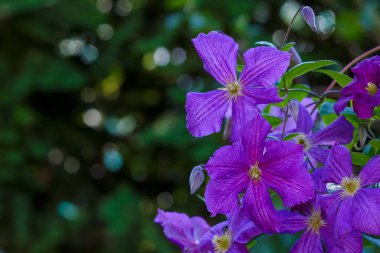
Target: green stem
x,y
290,27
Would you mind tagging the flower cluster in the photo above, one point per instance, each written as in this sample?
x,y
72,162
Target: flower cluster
x,y
301,160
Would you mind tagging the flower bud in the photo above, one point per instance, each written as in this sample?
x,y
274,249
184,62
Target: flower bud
x,y
196,178
309,17
362,135
293,107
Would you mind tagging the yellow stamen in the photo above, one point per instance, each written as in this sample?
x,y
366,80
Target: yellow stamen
x,y
222,242
233,89
371,88
350,186
255,172
315,221
301,140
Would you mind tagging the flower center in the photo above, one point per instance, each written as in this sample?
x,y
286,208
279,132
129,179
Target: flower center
x,y
350,186
301,140
233,89
371,88
255,172
222,242
315,221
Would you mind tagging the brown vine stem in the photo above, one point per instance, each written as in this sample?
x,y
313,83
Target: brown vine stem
x,y
290,27
352,63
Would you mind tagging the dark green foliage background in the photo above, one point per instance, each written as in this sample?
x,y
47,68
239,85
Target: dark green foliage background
x,y
42,107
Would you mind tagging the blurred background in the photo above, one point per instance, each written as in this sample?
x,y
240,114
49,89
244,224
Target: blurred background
x,y
93,133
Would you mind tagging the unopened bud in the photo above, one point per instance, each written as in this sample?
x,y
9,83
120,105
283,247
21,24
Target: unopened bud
x,y
362,135
293,107
196,178
309,17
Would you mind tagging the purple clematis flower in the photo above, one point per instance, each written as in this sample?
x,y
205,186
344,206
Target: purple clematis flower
x,y
253,166
232,235
338,132
186,232
363,90
263,67
317,230
352,203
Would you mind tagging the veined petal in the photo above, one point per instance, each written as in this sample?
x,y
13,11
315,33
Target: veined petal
x,y
226,160
338,132
356,87
242,227
229,177
292,222
263,213
205,112
262,95
364,105
205,244
178,228
243,111
263,66
309,242
342,103
304,122
319,154
368,70
338,165
219,55
282,169
370,174
366,211
253,138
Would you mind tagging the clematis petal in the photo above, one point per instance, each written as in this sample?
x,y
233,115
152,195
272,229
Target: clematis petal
x,y
178,228
351,242
338,132
292,222
342,103
367,70
304,122
242,227
340,236
229,177
262,211
205,112
356,87
364,105
282,169
205,244
263,66
227,159
253,138
365,210
262,95
338,165
244,110
319,154
370,174
309,242
219,55
238,248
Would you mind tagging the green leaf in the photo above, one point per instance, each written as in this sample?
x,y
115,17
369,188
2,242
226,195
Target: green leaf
x,y
273,121
240,68
359,158
290,136
297,95
251,244
265,43
375,144
287,46
351,116
303,68
374,240
342,79
327,108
